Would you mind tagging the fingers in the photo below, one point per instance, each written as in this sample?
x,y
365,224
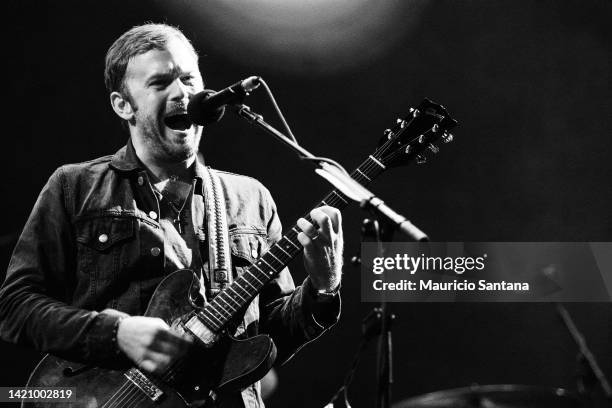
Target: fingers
x,y
334,215
309,232
156,363
165,349
168,342
150,343
326,222
327,219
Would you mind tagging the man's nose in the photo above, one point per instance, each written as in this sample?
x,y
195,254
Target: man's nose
x,y
180,91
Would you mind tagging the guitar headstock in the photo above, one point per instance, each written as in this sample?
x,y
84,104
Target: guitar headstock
x,y
416,135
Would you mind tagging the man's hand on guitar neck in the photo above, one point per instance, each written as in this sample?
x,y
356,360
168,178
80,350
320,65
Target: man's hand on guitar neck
x,y
150,344
323,243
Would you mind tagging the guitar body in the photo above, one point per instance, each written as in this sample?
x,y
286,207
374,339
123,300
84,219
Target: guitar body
x,y
226,365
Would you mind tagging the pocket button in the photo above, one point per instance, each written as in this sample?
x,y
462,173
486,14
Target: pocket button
x,y
103,238
155,251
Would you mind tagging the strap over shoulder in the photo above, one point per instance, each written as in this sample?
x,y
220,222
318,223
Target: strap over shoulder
x,y
219,254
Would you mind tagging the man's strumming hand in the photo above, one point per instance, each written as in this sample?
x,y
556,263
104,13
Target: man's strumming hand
x,y
149,342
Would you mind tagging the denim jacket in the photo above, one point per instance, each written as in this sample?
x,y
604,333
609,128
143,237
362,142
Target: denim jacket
x,y
92,250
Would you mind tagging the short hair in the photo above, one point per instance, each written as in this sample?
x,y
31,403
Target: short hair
x,y
138,40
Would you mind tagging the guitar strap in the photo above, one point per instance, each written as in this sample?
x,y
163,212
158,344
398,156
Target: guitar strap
x,y
219,253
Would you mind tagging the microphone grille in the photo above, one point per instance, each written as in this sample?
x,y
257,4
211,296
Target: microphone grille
x,y
201,116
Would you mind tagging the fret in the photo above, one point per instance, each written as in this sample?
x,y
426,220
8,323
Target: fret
x,y
257,267
278,252
382,166
293,244
364,175
339,196
288,245
270,259
249,283
237,284
255,277
264,261
213,315
221,311
274,256
233,300
224,301
285,252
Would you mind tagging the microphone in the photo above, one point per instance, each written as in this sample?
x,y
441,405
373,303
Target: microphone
x,y
208,106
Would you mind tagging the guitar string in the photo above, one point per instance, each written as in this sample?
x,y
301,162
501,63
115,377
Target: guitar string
x,y
111,400
118,396
124,391
129,397
134,400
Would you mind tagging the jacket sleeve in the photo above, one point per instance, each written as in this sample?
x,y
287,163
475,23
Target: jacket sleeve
x,y
291,315
35,297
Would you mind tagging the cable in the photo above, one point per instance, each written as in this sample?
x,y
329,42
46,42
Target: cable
x,y
278,111
290,133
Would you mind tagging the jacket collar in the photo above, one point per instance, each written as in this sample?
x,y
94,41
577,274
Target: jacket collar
x,y
126,160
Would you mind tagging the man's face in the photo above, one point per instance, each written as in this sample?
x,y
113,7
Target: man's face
x,y
160,84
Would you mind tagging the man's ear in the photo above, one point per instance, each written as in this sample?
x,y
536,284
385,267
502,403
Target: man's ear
x,y
121,106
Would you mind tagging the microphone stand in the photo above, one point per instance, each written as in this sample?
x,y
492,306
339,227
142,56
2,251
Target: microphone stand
x,y
589,372
379,321
342,181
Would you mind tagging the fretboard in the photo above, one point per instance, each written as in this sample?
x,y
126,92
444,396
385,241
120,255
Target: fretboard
x,y
235,297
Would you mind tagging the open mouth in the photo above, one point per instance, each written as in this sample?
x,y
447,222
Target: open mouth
x,y
177,121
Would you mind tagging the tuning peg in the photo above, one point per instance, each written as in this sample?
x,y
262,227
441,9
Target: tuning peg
x,y
435,128
408,149
388,133
415,113
421,139
434,149
447,137
401,123
421,159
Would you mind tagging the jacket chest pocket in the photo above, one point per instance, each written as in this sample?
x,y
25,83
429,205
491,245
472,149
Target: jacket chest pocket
x,y
102,248
247,244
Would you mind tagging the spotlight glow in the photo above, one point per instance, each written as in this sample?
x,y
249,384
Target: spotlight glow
x,y
308,36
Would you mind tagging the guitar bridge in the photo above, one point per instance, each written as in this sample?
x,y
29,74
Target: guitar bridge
x,y
144,384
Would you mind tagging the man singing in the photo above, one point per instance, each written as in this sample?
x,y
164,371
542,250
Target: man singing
x,y
104,233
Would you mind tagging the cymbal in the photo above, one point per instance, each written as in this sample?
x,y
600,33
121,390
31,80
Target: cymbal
x,y
493,396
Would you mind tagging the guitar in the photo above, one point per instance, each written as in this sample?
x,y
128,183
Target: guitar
x,y
220,363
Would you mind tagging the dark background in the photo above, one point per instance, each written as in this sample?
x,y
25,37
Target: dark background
x,y
529,83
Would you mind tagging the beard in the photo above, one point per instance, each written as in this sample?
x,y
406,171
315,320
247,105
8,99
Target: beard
x,y
167,146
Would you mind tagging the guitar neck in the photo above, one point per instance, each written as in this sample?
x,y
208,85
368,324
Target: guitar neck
x,y
217,313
